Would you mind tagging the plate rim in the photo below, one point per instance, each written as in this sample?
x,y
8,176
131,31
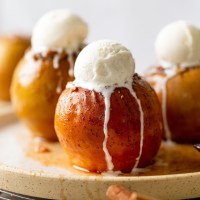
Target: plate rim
x,y
50,175
160,186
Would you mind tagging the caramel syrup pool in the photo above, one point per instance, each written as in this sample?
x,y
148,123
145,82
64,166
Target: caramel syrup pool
x,y
171,159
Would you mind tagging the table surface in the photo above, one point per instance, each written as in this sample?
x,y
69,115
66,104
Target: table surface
x,y
13,196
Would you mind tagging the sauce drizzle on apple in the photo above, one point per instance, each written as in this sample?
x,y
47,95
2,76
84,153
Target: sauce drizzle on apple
x,y
107,92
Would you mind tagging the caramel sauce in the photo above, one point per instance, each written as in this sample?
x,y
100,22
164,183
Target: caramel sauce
x,y
171,159
54,157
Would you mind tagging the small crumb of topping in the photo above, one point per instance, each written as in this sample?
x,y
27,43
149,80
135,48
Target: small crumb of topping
x,y
71,86
40,148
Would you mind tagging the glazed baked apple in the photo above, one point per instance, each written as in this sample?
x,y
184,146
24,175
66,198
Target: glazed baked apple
x,y
176,81
12,49
44,71
108,119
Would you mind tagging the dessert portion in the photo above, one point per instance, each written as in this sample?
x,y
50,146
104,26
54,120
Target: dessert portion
x,y
176,80
62,32
46,68
108,119
12,49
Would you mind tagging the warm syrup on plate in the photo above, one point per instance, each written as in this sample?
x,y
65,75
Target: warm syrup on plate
x,y
171,159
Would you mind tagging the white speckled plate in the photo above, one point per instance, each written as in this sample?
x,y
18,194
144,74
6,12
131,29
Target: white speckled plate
x,y
23,175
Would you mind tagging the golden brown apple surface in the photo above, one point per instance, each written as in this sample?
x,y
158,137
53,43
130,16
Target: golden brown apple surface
x,y
11,51
182,101
79,123
36,86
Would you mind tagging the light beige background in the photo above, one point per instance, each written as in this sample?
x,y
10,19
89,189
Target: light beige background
x,y
135,23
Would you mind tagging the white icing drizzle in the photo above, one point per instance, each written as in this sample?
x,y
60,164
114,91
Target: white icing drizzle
x,y
169,74
80,168
164,110
30,70
140,170
43,53
111,173
107,94
59,85
141,125
71,63
56,60
57,57
161,86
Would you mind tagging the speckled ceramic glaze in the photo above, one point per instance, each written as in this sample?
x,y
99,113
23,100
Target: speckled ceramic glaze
x,y
52,186
24,176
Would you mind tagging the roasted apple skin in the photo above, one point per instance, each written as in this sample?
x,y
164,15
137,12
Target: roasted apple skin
x,y
183,102
11,51
79,120
35,102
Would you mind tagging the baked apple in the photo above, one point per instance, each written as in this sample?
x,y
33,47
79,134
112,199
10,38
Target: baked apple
x,y
176,81
109,118
44,71
12,49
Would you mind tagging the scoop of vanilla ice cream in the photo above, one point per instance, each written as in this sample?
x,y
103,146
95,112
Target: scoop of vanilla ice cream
x,y
178,44
59,30
104,63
